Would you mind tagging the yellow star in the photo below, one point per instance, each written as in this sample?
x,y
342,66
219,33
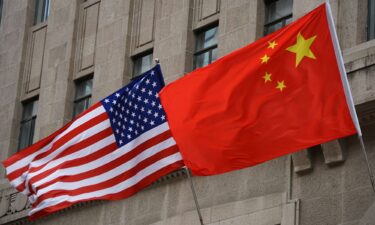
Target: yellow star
x,y
267,77
280,85
272,44
265,58
302,48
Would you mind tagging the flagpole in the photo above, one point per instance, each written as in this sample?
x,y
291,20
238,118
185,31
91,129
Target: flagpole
x,y
194,195
347,90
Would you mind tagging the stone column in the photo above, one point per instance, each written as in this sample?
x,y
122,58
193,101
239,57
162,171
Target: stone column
x,y
13,37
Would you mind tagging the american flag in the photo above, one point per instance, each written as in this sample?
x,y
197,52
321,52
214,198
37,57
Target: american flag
x,y
111,151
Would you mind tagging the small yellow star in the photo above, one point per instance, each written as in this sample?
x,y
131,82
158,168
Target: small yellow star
x,y
302,48
265,58
280,85
272,44
267,77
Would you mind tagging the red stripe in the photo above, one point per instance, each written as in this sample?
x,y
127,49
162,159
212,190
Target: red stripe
x,y
78,130
20,171
61,141
78,146
85,143
78,161
113,181
15,174
75,162
40,144
124,158
21,187
120,195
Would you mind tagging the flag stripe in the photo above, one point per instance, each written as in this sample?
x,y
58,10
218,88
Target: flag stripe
x,y
114,189
113,196
81,122
77,135
77,140
106,159
106,180
88,168
105,167
88,153
25,156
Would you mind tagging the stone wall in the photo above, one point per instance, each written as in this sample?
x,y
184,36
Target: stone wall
x,y
326,184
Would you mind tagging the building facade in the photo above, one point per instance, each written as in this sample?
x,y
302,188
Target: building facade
x,y
57,57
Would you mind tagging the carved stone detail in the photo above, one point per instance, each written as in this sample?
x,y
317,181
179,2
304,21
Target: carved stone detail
x,y
86,37
332,152
34,58
143,25
301,161
205,12
13,205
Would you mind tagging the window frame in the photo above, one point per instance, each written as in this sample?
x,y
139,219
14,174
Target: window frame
x,y
282,19
371,20
82,98
24,121
1,9
208,49
44,14
139,57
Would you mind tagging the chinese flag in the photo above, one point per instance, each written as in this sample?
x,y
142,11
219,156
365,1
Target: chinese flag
x,y
278,95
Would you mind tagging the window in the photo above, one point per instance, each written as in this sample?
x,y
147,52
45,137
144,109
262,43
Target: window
x,y
142,64
1,9
41,11
205,48
82,100
371,20
278,14
28,124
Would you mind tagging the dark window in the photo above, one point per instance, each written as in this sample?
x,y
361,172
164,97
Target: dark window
x,y
1,9
278,14
142,64
371,20
41,11
205,48
82,100
30,110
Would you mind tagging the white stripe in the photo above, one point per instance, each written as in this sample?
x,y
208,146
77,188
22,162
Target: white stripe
x,y
26,160
19,180
75,140
111,190
109,174
105,159
78,138
76,155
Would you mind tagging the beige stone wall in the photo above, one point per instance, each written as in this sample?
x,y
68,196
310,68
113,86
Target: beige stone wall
x,y
13,37
327,184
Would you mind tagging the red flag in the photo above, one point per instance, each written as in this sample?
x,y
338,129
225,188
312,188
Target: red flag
x,y
278,95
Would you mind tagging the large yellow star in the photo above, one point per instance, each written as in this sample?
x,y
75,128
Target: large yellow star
x,y
265,58
280,85
302,48
267,77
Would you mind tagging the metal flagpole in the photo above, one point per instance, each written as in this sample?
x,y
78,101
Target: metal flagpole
x,y
194,195
348,94
190,180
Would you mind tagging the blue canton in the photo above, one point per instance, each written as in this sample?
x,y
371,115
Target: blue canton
x,y
136,108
